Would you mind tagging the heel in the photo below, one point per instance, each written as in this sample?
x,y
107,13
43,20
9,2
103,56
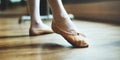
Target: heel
x,y
54,28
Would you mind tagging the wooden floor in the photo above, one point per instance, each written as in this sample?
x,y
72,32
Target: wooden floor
x,y
16,44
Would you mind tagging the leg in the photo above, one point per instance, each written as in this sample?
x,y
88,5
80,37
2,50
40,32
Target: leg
x,y
63,25
37,27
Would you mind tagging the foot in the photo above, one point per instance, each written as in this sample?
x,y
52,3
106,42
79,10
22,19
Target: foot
x,y
71,35
39,30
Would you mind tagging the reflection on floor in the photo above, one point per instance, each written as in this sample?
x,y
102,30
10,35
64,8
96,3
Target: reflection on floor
x,y
16,44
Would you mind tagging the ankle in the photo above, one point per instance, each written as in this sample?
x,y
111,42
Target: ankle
x,y
61,20
39,26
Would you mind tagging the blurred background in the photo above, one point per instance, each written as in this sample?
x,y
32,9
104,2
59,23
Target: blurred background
x,y
93,10
99,20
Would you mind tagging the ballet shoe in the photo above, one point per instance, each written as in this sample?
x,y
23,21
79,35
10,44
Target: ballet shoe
x,y
75,39
33,32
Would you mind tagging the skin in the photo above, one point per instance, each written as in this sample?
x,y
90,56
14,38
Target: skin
x,y
61,21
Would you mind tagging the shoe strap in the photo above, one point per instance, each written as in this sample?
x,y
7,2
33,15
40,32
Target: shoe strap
x,y
70,32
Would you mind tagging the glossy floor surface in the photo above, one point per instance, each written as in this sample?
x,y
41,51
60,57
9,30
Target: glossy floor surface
x,y
16,44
